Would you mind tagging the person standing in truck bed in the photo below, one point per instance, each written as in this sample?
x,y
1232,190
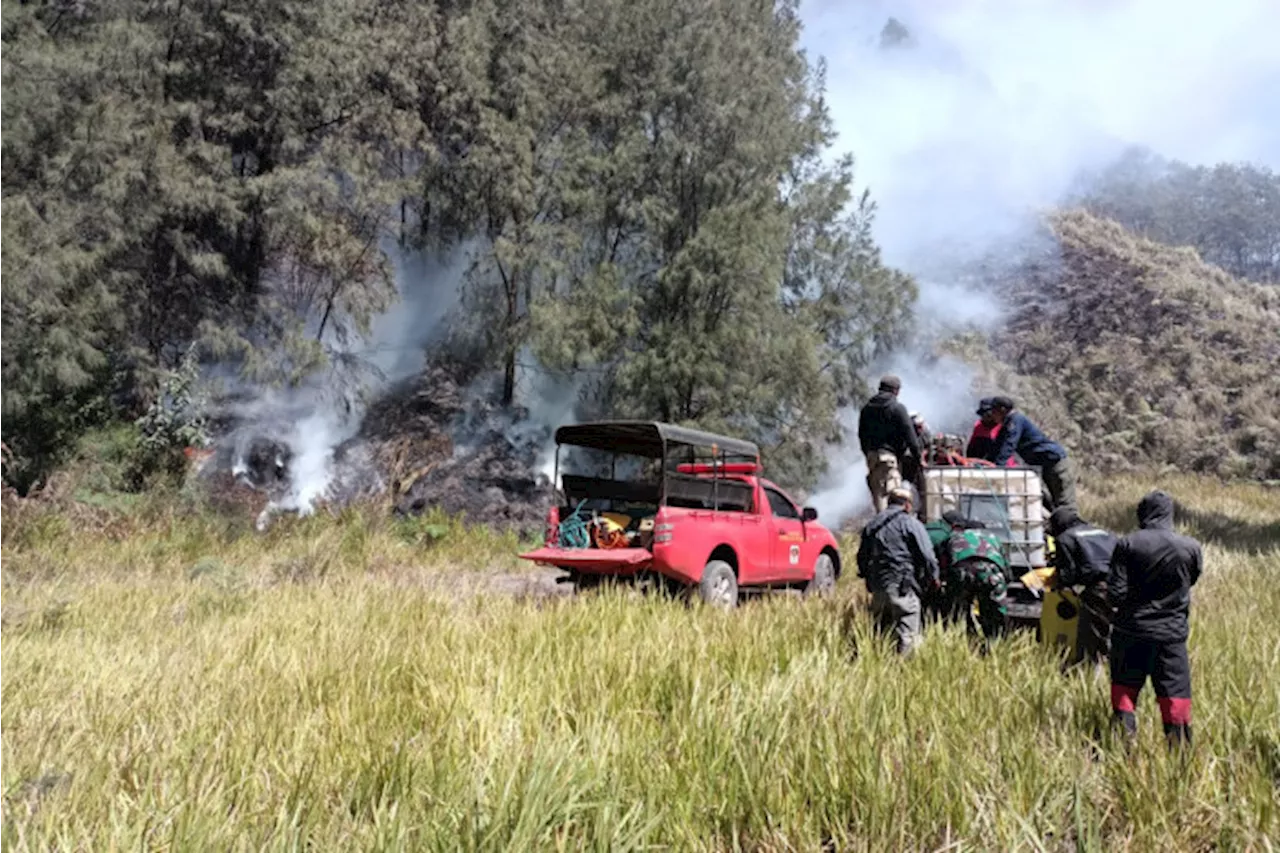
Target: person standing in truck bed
x,y
985,438
889,442
1019,435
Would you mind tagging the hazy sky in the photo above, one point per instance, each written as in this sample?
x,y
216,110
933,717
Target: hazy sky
x,y
1001,103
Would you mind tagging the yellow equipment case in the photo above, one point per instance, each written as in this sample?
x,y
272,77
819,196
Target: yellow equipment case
x,y
1060,612
1060,619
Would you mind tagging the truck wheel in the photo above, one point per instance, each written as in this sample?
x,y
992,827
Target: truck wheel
x,y
823,581
719,587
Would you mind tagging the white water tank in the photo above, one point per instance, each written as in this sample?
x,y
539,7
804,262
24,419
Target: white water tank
x,y
1008,500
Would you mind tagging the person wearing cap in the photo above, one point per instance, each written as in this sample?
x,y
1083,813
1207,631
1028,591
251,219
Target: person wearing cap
x,y
1149,585
984,439
921,427
889,442
925,436
1082,559
1019,435
894,557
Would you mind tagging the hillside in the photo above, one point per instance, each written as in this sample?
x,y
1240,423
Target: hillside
x,y
1138,354
1229,212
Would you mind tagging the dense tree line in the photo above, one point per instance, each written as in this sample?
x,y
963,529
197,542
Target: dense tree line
x,y
1229,213
647,187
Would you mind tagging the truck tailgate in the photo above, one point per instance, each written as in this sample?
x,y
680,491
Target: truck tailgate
x,y
602,561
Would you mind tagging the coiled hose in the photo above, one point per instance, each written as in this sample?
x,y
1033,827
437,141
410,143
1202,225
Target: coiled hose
x,y
574,532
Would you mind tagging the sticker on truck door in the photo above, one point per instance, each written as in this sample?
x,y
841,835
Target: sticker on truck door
x,y
795,555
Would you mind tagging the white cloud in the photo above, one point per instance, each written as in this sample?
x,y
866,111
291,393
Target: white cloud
x,y
999,105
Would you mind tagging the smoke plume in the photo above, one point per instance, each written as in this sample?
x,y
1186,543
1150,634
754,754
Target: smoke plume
x,y
969,118
310,421
988,111
328,439
551,399
938,389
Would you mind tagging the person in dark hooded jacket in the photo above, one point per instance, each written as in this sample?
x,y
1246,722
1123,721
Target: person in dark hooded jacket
x,y
1082,559
1152,572
889,442
895,554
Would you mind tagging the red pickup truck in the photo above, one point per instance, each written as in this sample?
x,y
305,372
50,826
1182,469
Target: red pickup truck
x,y
687,505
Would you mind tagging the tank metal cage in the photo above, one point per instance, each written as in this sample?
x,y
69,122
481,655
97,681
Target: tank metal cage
x,y
1007,500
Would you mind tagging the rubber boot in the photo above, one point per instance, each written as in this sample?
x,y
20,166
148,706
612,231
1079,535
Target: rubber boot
x,y
1177,735
1127,722
1124,706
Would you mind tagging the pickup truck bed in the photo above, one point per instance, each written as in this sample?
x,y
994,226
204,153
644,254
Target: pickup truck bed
x,y
614,561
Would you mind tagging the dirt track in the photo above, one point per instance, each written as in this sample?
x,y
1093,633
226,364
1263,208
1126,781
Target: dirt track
x,y
538,584
495,582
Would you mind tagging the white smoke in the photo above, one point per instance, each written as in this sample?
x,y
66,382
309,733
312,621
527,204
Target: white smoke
x,y
316,417
551,399
313,441
992,110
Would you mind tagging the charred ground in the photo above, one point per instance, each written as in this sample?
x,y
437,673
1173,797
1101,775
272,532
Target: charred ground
x,y
436,441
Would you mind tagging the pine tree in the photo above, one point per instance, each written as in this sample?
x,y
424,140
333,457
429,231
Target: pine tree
x,y
645,190
729,287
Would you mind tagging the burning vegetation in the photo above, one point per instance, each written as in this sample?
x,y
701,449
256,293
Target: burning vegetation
x,y
1140,353
427,442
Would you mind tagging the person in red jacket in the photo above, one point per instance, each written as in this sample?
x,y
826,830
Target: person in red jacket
x,y
985,438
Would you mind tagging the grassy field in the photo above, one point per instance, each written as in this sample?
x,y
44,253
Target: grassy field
x,y
173,681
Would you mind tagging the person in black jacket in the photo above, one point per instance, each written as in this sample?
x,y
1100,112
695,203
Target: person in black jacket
x,y
1152,572
1082,559
894,556
889,442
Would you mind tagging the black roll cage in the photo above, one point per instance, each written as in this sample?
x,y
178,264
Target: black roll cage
x,y
656,440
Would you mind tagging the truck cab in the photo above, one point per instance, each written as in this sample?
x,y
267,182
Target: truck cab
x,y
693,508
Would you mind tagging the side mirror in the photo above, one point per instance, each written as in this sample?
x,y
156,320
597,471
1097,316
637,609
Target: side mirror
x,y
808,514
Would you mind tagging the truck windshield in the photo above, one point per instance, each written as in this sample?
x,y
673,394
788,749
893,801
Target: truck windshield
x,y
991,510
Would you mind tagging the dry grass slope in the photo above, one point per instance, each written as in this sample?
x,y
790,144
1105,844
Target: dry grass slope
x,y
189,685
1138,354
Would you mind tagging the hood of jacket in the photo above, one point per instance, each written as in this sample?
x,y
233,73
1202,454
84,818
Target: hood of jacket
x,y
877,524
1063,519
1156,511
882,400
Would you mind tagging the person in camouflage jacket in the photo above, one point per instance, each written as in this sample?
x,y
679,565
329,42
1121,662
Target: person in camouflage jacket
x,y
973,567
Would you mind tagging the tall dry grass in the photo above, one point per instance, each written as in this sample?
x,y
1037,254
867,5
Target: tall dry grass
x,y
195,686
